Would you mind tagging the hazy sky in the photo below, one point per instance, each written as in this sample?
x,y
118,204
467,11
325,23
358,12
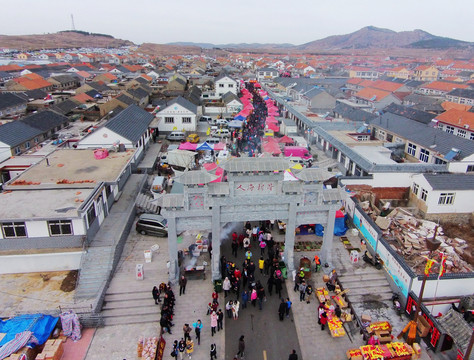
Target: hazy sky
x,y
238,21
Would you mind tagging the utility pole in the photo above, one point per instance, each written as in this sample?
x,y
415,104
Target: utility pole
x,y
72,21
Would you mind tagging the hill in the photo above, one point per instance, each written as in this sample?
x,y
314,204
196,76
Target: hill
x,y
162,49
61,40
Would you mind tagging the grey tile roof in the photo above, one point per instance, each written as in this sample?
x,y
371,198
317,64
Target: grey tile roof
x,y
64,79
125,99
222,75
450,181
131,123
267,69
410,113
352,113
465,93
195,177
65,107
17,132
453,324
45,120
138,93
229,96
423,135
36,94
255,164
313,174
184,103
99,87
8,100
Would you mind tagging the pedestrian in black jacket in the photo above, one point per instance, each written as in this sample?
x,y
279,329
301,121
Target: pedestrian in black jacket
x,y
282,309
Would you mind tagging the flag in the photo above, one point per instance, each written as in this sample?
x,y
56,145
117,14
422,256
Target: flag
x,y
208,131
429,264
442,266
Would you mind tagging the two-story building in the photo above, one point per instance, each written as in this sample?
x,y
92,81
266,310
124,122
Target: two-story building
x,y
425,73
224,83
267,74
457,122
461,96
12,105
178,114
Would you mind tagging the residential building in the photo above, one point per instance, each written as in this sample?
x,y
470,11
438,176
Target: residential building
x,y
400,72
224,83
266,74
178,114
232,103
456,122
461,96
425,73
375,98
440,88
11,105
363,73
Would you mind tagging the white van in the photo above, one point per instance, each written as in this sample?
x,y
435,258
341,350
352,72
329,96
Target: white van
x,y
222,133
203,119
176,136
213,140
159,184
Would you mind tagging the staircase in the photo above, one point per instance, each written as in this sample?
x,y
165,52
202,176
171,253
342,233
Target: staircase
x,y
95,269
366,285
144,204
129,307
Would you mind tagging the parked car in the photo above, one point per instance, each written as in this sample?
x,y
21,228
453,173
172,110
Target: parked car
x,y
193,138
176,136
152,224
222,133
207,119
213,140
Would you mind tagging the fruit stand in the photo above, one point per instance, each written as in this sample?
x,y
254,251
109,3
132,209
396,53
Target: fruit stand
x,y
322,294
392,351
335,325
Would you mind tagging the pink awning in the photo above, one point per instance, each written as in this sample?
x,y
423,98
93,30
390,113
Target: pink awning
x,y
219,146
271,147
273,127
219,171
271,119
187,146
285,140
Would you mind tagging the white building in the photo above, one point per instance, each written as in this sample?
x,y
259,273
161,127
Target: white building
x,y
266,74
224,84
177,115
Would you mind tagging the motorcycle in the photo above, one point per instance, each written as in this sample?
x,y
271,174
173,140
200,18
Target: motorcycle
x,y
397,306
372,260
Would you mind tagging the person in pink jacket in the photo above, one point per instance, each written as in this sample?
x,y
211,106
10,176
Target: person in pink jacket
x,y
213,323
253,297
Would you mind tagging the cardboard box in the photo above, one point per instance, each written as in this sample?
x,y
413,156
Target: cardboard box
x,y
325,278
366,318
40,356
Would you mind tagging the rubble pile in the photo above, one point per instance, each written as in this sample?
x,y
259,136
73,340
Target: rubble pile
x,y
407,235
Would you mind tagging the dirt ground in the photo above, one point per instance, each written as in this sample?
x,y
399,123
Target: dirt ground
x,y
36,292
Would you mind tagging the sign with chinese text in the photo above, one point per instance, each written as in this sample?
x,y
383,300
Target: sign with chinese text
x,y
255,188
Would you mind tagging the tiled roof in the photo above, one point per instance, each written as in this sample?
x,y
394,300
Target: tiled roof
x,y
83,74
372,94
8,100
15,133
450,181
184,103
444,86
430,138
82,98
410,113
448,105
386,85
45,120
64,107
125,99
131,123
464,93
352,113
457,117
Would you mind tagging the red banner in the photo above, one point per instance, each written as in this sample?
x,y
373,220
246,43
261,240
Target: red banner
x,y
161,349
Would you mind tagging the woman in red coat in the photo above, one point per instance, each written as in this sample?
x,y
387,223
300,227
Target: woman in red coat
x,y
323,320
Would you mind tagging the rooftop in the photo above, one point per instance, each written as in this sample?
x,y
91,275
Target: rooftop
x,y
72,168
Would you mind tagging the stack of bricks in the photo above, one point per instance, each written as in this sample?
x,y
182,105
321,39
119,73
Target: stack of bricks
x,y
24,353
53,349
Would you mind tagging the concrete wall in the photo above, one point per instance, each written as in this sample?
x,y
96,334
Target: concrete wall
x,y
12,264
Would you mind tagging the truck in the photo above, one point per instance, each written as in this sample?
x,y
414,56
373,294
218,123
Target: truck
x,y
297,151
181,158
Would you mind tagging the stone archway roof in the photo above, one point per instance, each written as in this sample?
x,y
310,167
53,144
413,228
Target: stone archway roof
x,y
264,164
195,177
313,174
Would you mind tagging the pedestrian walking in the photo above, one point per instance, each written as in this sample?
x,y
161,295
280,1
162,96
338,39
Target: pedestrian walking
x,y
226,285
293,355
235,247
261,297
197,329
245,299
278,286
323,319
261,263
213,352
220,320
253,297
175,351
181,348
282,309
187,331
189,348
302,288
241,347
156,295
270,283
213,323
288,307
235,309
228,308
262,245
182,285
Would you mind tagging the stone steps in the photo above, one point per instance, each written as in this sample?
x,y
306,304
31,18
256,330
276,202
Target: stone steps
x,y
125,320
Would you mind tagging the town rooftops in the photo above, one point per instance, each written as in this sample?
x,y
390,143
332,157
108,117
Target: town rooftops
x,y
435,140
68,168
464,93
372,94
131,123
243,165
184,103
8,100
55,203
444,86
45,120
414,114
17,132
450,181
457,118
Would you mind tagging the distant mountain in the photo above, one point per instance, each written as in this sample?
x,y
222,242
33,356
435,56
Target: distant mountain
x,y
61,40
367,37
234,46
168,49
440,43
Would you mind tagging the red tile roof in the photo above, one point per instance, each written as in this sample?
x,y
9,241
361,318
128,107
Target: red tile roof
x,y
82,98
387,85
448,105
457,118
372,94
444,86
13,67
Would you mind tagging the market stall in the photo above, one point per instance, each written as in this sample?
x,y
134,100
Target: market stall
x,y
392,351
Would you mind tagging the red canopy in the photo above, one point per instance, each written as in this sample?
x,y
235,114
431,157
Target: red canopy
x,y
187,146
271,119
271,147
285,140
273,127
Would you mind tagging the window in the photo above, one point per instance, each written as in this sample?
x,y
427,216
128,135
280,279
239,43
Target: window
x,y
450,129
14,229
411,149
389,137
221,85
27,144
446,199
169,120
60,227
424,194
186,120
91,215
230,85
36,140
470,168
439,161
472,136
17,150
415,189
462,133
424,155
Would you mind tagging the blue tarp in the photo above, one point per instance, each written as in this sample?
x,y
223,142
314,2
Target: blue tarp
x,y
339,227
240,117
204,146
39,324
